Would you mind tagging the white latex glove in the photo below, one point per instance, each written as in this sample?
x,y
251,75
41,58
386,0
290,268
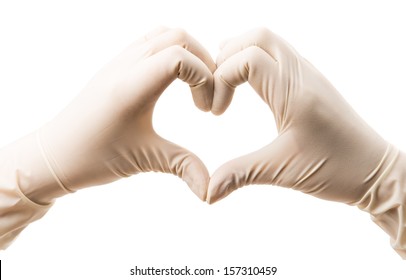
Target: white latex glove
x,y
106,133
323,147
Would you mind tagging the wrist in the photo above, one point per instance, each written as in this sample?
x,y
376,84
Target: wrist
x,y
24,164
386,201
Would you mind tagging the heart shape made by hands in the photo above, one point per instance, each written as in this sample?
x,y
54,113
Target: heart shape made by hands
x,y
322,148
321,144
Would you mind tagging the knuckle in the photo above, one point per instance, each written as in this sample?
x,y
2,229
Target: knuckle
x,y
174,56
253,54
261,32
176,52
180,35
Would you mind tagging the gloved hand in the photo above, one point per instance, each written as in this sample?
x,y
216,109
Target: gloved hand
x,y
106,133
323,147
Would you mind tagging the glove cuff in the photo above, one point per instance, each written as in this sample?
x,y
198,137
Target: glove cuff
x,y
22,174
386,199
17,212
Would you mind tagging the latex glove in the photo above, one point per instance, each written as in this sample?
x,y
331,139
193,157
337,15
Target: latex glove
x,y
106,133
323,147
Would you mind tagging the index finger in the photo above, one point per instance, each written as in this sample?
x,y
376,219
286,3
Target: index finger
x,y
262,38
180,38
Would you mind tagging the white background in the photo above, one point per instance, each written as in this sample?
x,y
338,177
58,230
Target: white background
x,y
50,49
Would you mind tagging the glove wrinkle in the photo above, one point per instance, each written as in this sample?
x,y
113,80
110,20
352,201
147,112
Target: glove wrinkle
x,y
386,199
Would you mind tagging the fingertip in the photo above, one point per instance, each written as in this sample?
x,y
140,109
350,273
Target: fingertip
x,y
204,109
203,99
203,94
217,111
211,197
223,95
199,187
196,177
174,159
221,184
210,201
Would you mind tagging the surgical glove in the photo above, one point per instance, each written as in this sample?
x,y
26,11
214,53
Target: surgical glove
x,y
323,147
106,133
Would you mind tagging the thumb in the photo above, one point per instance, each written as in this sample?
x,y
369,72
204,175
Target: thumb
x,y
269,165
165,156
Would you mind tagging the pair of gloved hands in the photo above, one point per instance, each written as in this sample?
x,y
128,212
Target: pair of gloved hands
x,y
323,148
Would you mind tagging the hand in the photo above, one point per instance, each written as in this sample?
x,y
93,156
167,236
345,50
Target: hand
x,y
323,147
106,133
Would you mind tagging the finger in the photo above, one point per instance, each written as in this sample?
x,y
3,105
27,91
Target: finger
x,y
253,65
181,38
167,157
269,165
176,62
261,38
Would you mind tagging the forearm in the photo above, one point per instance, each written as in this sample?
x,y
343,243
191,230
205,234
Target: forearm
x,y
27,187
